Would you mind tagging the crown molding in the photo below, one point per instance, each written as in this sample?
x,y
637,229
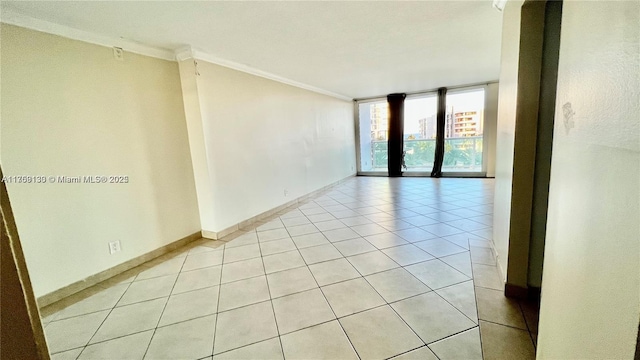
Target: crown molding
x,y
9,16
191,53
184,54
12,17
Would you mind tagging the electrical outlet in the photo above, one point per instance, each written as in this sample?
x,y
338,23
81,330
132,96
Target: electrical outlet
x,y
286,192
118,53
114,247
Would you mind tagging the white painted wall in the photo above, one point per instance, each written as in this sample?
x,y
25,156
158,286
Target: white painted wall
x,y
69,108
506,127
264,138
591,282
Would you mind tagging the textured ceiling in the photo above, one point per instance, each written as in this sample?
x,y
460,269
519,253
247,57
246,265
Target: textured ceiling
x,y
357,49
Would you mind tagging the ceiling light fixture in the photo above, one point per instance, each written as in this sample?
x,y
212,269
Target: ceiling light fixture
x,y
499,4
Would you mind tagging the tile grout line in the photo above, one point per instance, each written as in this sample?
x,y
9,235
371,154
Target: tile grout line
x,y
273,310
215,325
247,345
390,210
382,250
456,333
447,301
458,283
160,263
327,301
301,291
505,325
164,307
105,319
431,290
475,298
526,323
394,310
114,338
154,298
488,288
386,303
408,351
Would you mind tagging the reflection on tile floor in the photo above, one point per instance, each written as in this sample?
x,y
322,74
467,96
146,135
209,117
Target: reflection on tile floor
x,y
375,268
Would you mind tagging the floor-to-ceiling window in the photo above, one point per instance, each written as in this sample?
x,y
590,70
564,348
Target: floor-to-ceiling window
x,y
420,132
373,126
463,131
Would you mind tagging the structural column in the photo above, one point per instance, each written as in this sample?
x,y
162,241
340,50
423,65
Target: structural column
x,y
198,146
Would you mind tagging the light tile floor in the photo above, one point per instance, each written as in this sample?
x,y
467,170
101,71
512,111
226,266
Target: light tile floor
x,y
375,268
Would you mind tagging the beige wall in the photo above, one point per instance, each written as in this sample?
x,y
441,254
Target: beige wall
x,y
591,282
265,142
69,108
506,130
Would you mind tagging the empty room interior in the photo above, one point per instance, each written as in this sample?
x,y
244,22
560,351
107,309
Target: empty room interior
x,y
320,180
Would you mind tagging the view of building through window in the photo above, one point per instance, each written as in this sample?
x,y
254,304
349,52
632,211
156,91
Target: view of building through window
x,y
463,132
374,133
379,121
420,132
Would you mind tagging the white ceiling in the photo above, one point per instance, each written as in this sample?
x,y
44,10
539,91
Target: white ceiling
x,y
357,49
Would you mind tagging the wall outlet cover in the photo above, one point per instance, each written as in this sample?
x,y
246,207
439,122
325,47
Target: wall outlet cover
x,y
114,247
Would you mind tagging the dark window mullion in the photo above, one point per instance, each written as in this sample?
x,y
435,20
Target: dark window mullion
x,y
440,125
396,133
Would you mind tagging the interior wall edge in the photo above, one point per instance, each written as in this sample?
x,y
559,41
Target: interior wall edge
x,y
505,132
525,140
22,331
